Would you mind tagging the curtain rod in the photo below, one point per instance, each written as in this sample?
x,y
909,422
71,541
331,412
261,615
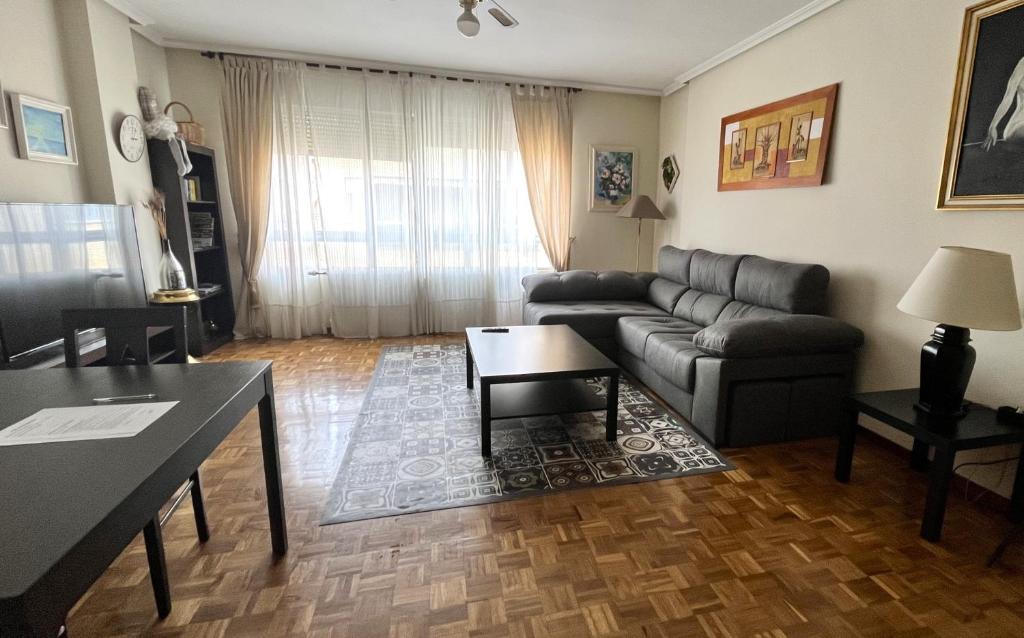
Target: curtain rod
x,y
337,67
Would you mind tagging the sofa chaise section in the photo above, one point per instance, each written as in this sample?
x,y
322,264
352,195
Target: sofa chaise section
x,y
591,303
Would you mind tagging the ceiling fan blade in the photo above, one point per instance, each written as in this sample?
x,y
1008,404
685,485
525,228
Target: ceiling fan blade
x,y
503,17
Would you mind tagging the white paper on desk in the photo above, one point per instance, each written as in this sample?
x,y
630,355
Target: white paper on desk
x,y
52,425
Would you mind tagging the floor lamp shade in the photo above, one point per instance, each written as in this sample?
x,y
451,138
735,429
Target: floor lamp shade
x,y
640,208
960,288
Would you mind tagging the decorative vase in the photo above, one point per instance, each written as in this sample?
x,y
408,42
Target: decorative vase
x,y
172,275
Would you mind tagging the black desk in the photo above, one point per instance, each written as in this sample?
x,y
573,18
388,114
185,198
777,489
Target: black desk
x,y
978,429
68,509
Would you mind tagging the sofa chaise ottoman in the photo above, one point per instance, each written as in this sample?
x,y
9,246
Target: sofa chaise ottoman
x,y
737,344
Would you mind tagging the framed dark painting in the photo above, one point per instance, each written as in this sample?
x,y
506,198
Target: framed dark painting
x,y
983,168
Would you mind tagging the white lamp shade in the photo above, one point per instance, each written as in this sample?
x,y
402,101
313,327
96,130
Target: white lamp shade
x,y
965,287
640,208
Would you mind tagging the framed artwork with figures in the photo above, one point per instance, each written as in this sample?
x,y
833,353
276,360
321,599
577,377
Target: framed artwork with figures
x,y
612,169
778,145
983,167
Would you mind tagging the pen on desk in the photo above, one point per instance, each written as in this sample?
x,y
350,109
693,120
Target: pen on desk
x,y
124,399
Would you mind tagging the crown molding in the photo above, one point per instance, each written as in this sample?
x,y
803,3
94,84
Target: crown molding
x,y
809,10
298,56
150,33
137,16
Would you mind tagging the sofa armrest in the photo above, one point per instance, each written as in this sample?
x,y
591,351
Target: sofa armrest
x,y
586,285
777,336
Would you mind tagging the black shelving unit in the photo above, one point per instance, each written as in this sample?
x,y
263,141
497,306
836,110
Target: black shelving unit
x,y
211,320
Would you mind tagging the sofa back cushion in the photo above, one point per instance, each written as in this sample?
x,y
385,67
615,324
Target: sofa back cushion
x,y
586,285
674,264
711,279
714,272
701,308
664,293
791,288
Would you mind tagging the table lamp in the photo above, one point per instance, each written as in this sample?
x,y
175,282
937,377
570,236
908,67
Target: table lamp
x,y
640,208
961,288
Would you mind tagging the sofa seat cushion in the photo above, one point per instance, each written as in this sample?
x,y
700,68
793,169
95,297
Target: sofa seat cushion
x,y
591,319
674,357
632,333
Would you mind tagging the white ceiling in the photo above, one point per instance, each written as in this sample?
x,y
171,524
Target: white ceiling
x,y
627,44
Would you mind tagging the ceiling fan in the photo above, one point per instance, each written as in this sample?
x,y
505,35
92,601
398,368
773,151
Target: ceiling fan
x,y
468,24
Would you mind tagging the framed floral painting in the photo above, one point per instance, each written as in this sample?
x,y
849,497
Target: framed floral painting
x,y
612,170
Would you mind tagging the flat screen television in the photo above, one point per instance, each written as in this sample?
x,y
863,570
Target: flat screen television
x,y
57,256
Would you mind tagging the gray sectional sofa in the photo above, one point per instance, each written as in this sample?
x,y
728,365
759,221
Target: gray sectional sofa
x,y
737,344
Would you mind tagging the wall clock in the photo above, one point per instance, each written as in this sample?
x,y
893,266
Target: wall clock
x,y
131,138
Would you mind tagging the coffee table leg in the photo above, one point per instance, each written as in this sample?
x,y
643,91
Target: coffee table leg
x,y
611,418
485,418
847,438
469,366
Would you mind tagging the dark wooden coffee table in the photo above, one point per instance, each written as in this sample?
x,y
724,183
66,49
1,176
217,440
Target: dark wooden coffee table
x,y
536,370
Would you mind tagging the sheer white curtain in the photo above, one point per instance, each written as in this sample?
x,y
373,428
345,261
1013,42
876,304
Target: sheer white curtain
x,y
406,194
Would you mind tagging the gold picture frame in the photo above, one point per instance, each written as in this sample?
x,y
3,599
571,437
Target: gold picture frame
x,y
985,150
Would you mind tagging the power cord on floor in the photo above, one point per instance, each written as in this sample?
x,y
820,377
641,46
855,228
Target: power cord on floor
x,y
967,483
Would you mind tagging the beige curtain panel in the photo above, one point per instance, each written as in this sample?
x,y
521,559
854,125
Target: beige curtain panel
x,y
247,108
544,126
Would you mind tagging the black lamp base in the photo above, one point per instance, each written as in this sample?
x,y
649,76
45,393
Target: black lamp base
x,y
946,365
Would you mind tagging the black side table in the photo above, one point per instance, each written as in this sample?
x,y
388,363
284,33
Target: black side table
x,y
978,429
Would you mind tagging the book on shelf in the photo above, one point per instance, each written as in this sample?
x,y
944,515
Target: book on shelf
x,y
202,229
193,190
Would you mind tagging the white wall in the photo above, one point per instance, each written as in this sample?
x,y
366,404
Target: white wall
x,y
874,222
31,63
604,241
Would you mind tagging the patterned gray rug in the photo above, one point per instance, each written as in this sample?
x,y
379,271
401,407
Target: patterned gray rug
x,y
415,446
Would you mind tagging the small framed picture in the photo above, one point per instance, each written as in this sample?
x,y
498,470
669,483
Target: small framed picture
x,y
612,169
738,149
44,130
5,122
766,150
799,137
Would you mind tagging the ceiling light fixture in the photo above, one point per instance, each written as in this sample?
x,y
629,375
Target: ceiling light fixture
x,y
503,17
467,22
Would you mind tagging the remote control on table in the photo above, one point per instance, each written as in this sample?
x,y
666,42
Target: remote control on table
x,y
494,330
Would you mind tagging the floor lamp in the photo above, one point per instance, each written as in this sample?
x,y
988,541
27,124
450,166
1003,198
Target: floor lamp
x,y
640,208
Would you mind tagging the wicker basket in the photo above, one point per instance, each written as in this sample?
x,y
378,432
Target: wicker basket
x,y
192,131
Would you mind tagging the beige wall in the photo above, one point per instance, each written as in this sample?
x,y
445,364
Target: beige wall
x,y
100,59
195,80
874,223
151,67
604,241
31,63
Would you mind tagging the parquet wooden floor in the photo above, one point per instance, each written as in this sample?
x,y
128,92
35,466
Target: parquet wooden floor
x,y
775,548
